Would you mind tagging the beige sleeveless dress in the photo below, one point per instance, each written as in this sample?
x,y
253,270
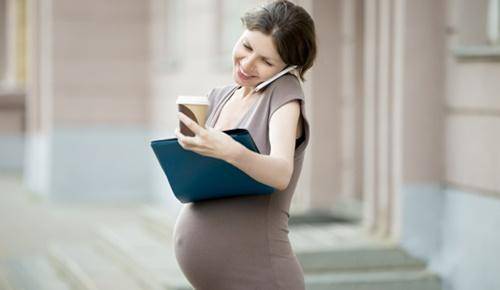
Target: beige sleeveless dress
x,y
241,243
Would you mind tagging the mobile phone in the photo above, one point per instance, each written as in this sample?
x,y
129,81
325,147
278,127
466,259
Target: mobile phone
x,y
265,83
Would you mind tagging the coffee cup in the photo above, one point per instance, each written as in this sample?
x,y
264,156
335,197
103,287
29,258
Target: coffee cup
x,y
196,108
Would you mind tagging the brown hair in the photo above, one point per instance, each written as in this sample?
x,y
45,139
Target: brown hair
x,y
291,28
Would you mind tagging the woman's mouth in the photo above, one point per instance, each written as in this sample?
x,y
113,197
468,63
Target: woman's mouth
x,y
242,75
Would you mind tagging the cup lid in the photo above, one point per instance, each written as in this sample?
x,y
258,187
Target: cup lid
x,y
193,100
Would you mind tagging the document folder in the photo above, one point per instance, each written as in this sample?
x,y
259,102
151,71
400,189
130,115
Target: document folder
x,y
194,177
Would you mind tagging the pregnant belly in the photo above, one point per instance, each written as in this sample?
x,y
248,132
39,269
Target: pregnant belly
x,y
222,241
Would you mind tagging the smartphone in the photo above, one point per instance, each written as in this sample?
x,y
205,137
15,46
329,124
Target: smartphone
x,y
265,83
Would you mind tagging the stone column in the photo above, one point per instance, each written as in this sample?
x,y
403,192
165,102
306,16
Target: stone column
x,y
404,91
351,83
89,107
333,170
383,119
12,80
3,39
325,102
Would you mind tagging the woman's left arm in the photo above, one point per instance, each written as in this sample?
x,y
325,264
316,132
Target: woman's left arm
x,y
274,169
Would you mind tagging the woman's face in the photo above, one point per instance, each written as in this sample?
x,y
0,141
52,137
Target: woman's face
x,y
255,59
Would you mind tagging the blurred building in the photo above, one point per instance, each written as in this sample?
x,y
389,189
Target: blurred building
x,y
403,103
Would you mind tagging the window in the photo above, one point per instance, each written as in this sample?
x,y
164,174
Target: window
x,y
477,26
493,30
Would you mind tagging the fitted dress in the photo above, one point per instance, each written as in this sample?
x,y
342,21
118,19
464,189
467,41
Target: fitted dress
x,y
241,243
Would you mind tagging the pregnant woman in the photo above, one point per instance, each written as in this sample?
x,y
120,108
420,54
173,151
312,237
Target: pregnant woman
x,y
242,242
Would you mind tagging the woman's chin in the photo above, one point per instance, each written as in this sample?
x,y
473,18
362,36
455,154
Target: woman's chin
x,y
240,82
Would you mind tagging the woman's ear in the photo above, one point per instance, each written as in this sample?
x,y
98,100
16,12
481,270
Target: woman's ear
x,y
296,72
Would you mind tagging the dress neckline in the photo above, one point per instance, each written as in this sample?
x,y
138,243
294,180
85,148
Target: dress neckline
x,y
223,103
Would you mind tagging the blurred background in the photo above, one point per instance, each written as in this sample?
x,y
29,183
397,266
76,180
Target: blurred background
x,y
400,187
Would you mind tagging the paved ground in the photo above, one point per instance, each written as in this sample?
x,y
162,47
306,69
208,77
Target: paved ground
x,y
28,224
133,249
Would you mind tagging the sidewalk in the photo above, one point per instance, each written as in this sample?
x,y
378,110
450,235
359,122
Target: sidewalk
x,y
66,247
28,224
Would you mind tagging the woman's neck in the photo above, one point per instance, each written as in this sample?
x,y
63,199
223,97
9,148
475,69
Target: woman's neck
x,y
247,91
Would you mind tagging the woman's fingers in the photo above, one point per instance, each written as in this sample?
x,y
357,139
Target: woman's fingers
x,y
185,141
192,125
197,144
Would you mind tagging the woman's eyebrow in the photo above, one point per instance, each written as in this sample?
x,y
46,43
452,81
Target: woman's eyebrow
x,y
263,57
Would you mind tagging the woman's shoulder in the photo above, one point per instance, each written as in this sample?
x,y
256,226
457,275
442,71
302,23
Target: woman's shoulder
x,y
288,84
285,89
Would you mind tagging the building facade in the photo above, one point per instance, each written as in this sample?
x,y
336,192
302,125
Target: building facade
x,y
403,104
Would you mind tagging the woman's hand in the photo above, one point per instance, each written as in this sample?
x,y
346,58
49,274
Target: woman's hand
x,y
208,142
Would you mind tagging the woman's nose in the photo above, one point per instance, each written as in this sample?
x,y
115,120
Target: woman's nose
x,y
247,64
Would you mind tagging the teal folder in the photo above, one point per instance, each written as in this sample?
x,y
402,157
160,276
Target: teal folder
x,y
194,177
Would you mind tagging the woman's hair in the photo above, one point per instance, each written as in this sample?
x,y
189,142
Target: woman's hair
x,y
291,28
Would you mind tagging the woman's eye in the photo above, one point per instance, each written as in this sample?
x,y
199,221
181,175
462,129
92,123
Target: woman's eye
x,y
268,63
247,47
